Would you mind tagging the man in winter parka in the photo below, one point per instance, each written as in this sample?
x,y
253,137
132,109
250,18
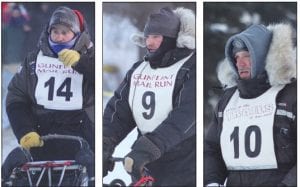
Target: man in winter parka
x,y
158,96
252,139
53,91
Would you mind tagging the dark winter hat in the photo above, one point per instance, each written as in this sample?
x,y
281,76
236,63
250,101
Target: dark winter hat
x,y
65,16
237,46
165,23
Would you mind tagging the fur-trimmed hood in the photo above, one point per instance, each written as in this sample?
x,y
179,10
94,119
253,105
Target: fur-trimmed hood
x,y
280,61
186,36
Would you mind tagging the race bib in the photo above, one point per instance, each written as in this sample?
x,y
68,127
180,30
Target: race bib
x,y
58,87
151,94
247,135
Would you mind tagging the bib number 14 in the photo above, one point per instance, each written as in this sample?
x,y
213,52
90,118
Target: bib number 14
x,y
64,90
251,130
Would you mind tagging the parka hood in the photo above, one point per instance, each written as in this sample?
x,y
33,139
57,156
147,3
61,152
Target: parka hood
x,y
186,35
271,49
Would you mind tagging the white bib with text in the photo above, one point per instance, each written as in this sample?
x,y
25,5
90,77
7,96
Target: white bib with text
x,y
151,91
247,134
58,87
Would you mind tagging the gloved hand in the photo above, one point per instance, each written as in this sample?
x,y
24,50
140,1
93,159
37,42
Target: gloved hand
x,y
108,149
69,57
31,139
143,152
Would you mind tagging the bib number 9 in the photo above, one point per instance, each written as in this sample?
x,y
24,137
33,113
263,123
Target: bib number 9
x,y
251,130
148,102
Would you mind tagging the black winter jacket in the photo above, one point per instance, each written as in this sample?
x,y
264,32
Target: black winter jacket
x,y
271,66
285,143
26,115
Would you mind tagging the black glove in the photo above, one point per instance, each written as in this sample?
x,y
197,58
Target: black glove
x,y
143,152
108,149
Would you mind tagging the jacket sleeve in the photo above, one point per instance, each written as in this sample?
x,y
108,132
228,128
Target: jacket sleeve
x,y
290,178
86,65
214,167
117,119
181,121
18,103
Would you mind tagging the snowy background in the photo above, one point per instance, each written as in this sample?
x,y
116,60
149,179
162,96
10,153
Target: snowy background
x,y
120,54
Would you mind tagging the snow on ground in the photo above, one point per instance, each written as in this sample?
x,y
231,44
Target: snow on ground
x,y
121,150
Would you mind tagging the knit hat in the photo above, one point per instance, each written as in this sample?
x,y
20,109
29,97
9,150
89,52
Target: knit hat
x,y
65,16
237,46
164,23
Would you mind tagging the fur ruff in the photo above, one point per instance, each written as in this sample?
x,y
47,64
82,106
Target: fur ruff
x,y
280,60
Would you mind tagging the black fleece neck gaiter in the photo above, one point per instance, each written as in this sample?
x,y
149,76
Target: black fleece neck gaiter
x,y
155,58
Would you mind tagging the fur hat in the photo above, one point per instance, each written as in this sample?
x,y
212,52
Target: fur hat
x,y
165,23
65,16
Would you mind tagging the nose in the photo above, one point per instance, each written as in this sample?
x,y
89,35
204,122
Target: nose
x,y
240,62
59,38
149,42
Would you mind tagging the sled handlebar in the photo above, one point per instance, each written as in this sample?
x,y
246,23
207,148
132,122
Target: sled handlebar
x,y
146,180
83,143
117,159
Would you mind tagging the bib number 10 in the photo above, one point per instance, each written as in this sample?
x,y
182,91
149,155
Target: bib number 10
x,y
251,130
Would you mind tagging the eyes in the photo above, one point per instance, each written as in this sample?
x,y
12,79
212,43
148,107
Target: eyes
x,y
154,37
56,31
242,55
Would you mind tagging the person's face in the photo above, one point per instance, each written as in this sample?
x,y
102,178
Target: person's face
x,y
61,34
243,64
153,42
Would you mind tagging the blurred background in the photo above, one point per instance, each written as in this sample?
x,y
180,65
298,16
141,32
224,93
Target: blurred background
x,y
222,20
120,21
21,26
